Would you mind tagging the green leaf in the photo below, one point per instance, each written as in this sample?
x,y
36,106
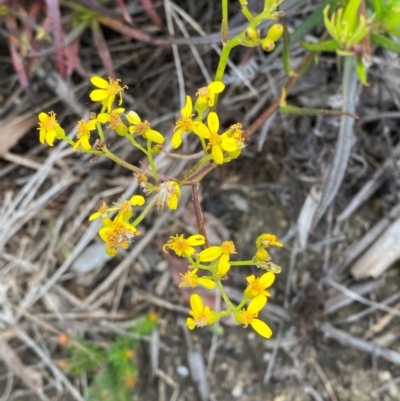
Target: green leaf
x,y
327,46
361,71
385,42
378,8
351,14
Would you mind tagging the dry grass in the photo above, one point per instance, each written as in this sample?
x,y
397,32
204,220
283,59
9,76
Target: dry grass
x,y
53,278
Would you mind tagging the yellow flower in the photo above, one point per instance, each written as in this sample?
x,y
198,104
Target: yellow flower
x,y
202,315
249,316
258,286
267,240
219,143
261,257
206,95
114,118
117,233
125,207
168,192
107,91
191,279
184,247
143,128
83,134
186,124
222,253
49,128
235,131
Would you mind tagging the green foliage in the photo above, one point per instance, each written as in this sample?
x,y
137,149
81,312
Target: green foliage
x,y
114,366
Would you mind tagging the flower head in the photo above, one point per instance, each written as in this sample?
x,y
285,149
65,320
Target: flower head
x,y
267,240
184,247
143,128
201,315
206,95
222,253
49,128
258,286
117,233
124,207
219,143
107,91
186,124
168,192
83,134
114,118
249,316
191,279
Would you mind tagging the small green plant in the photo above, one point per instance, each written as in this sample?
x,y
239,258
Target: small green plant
x,y
112,367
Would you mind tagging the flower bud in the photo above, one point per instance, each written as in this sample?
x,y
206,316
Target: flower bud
x,y
275,32
268,45
251,37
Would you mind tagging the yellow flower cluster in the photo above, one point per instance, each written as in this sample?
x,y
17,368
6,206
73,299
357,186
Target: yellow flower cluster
x,y
207,266
215,262
222,147
118,232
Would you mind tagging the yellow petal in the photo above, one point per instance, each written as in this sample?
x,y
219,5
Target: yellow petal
x,y
133,117
99,82
196,303
251,279
216,87
229,144
43,116
223,265
207,283
267,279
196,240
177,138
103,118
85,143
94,216
50,136
217,154
256,304
172,202
210,254
261,328
190,323
213,122
98,95
154,136
137,200
200,129
42,135
187,110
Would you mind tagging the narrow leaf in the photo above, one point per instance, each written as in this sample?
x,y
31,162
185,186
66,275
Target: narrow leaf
x,y
343,149
327,46
385,42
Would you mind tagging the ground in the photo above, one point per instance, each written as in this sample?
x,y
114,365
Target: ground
x,y
335,330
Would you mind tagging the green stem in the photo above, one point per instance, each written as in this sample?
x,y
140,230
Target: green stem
x,y
192,171
100,131
245,10
242,263
225,295
136,144
142,215
151,160
120,161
